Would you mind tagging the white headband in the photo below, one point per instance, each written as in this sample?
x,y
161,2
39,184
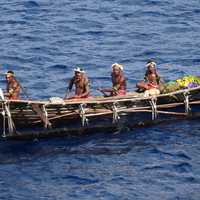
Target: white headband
x,y
151,63
118,66
78,69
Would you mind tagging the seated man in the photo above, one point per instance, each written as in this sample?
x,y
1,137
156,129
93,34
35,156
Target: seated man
x,y
151,80
118,82
13,86
81,83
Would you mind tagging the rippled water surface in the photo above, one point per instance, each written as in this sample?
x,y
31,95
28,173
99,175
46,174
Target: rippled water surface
x,y
43,40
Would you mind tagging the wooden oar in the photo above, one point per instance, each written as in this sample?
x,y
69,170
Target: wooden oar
x,y
67,94
37,109
103,92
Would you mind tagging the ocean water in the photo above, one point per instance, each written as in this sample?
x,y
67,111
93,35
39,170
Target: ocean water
x,y
42,41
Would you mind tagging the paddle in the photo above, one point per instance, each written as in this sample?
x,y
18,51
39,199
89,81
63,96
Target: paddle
x,y
2,95
24,90
67,95
36,108
103,92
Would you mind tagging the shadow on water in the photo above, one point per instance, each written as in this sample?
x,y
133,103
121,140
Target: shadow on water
x,y
101,143
151,139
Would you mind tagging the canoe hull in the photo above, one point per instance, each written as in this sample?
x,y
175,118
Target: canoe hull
x,y
29,120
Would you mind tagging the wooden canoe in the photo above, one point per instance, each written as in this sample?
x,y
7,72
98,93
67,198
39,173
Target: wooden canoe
x,y
24,119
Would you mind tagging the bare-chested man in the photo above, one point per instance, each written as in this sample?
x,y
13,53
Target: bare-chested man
x,y
151,78
13,86
118,82
82,89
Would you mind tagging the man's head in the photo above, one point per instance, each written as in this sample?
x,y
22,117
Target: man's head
x,y
9,75
78,72
117,69
151,65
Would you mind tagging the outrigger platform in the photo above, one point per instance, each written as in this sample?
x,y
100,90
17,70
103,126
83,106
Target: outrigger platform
x,y
30,119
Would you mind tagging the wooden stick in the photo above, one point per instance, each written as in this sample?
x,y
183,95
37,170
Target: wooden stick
x,y
162,112
99,100
106,112
59,116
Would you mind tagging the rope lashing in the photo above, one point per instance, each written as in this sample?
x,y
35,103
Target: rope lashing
x,y
46,123
116,116
4,122
186,102
11,125
10,122
6,112
154,108
84,119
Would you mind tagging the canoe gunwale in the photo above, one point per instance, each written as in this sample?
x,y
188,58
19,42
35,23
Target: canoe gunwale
x,y
100,100
96,107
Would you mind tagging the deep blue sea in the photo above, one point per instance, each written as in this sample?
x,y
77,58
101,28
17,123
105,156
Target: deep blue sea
x,y
42,41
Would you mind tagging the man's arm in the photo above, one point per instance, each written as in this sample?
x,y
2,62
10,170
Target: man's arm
x,y
69,87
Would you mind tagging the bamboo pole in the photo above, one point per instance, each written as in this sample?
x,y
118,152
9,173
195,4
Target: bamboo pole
x,y
107,112
100,100
59,116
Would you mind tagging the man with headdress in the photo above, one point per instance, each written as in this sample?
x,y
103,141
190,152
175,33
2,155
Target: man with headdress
x,y
13,86
151,78
80,80
118,82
